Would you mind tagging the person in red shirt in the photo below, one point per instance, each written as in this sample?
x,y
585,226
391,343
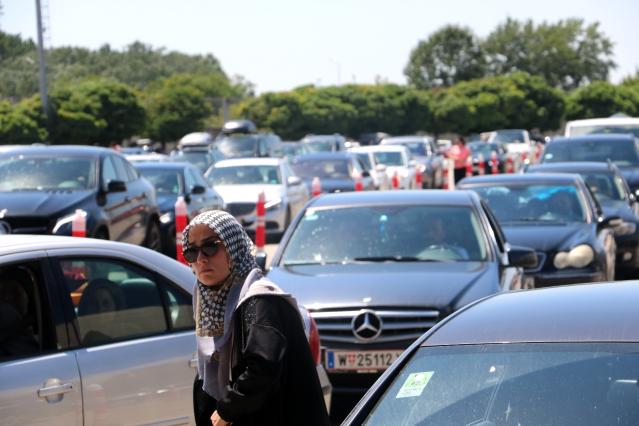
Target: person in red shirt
x,y
459,153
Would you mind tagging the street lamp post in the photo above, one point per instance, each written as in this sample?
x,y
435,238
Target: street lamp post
x,y
43,76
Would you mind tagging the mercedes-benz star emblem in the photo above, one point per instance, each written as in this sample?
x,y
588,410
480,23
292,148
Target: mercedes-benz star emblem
x,y
5,228
367,325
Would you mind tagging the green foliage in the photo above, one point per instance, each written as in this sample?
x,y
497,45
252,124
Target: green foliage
x,y
96,111
602,99
21,124
450,55
566,54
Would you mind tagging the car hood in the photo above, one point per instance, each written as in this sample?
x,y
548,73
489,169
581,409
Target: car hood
x,y
436,284
248,193
332,185
548,237
631,174
619,208
166,202
42,203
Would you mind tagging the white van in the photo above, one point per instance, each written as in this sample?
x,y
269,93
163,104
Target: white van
x,y
603,125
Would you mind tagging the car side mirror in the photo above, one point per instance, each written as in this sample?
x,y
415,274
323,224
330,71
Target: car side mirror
x,y
365,173
260,259
522,256
294,181
198,189
116,186
611,222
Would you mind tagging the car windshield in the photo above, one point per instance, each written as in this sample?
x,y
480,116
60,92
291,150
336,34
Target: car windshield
x,y
319,146
322,168
605,186
415,148
486,149
507,136
534,203
22,172
514,384
386,233
200,159
237,146
165,181
244,175
591,130
389,158
622,154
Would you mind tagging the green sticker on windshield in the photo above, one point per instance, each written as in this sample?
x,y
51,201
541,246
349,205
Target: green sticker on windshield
x,y
415,384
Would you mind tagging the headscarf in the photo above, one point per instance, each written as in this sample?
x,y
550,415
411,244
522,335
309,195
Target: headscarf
x,y
211,301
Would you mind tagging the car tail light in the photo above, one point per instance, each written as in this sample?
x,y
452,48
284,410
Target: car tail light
x,y
314,342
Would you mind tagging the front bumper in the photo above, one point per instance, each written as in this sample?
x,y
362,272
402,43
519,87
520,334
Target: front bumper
x,y
567,277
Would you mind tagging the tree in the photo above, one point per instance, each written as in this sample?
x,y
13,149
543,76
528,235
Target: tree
x,y
450,55
22,124
96,111
567,54
602,99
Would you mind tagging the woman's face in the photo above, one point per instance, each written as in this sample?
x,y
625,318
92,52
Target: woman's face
x,y
209,270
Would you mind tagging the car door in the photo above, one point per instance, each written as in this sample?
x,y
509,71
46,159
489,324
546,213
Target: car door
x,y
115,201
39,378
134,341
139,197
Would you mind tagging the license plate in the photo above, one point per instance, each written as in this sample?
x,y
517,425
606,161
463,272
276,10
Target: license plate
x,y
360,360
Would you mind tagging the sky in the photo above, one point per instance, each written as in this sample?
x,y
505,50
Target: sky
x,y
281,44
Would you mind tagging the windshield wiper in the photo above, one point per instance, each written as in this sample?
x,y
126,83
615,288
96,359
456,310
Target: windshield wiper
x,y
387,259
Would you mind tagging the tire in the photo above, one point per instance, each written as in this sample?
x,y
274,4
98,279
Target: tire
x,y
153,239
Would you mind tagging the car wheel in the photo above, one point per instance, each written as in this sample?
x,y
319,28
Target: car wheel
x,y
611,258
153,239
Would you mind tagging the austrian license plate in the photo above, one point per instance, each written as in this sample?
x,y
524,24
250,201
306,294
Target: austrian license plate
x,y
360,360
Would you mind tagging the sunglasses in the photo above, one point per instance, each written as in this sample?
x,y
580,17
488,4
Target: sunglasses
x,y
209,248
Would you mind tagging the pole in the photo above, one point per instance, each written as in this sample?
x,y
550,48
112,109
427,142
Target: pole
x,y
44,97
181,219
260,222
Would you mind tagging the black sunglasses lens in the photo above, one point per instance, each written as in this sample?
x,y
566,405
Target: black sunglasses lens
x,y
210,249
191,253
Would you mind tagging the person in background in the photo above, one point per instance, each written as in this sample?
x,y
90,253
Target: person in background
x,y
254,360
459,153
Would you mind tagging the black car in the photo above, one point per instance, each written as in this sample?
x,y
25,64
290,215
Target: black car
x,y
621,149
557,356
557,215
335,170
240,145
173,180
612,192
378,268
42,186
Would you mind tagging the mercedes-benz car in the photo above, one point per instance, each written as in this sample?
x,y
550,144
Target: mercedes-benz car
x,y
378,268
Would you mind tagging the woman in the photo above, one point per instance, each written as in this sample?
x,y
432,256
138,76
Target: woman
x,y
459,153
254,361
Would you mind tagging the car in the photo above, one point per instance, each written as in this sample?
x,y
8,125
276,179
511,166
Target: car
x,y
201,157
377,171
196,140
557,215
554,356
514,141
289,149
621,149
378,268
323,143
238,126
239,181
424,151
336,171
612,124
103,333
147,157
178,179
42,186
240,145
613,194
399,163
487,150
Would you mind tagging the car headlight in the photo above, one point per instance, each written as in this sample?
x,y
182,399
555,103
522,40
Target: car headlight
x,y
273,204
166,218
579,257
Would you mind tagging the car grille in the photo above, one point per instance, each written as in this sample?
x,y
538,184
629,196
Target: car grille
x,y
239,209
29,225
397,324
541,260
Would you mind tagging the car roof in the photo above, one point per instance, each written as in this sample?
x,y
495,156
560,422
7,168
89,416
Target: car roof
x,y
163,165
600,137
249,161
605,312
525,178
363,198
573,167
338,155
58,149
405,139
603,121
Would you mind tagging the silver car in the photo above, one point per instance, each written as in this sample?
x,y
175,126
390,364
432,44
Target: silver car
x,y
95,332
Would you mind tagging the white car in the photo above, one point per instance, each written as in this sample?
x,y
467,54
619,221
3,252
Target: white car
x,y
398,162
603,125
377,171
97,332
239,181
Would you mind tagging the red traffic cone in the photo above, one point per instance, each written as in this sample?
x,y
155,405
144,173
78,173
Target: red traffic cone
x,y
316,187
181,219
79,224
260,222
494,167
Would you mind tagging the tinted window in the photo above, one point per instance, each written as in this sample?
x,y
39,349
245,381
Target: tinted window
x,y
386,233
121,169
605,186
549,384
116,300
108,170
36,173
164,181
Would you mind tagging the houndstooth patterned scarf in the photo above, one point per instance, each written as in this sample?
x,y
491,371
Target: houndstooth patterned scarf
x,y
211,302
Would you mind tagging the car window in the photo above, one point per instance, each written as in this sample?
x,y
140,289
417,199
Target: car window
x,y
197,177
389,158
164,181
115,300
189,181
36,173
26,327
323,169
121,169
386,233
622,154
245,175
514,384
132,173
108,170
605,186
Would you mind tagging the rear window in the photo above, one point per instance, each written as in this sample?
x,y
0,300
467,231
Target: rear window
x,y
622,153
